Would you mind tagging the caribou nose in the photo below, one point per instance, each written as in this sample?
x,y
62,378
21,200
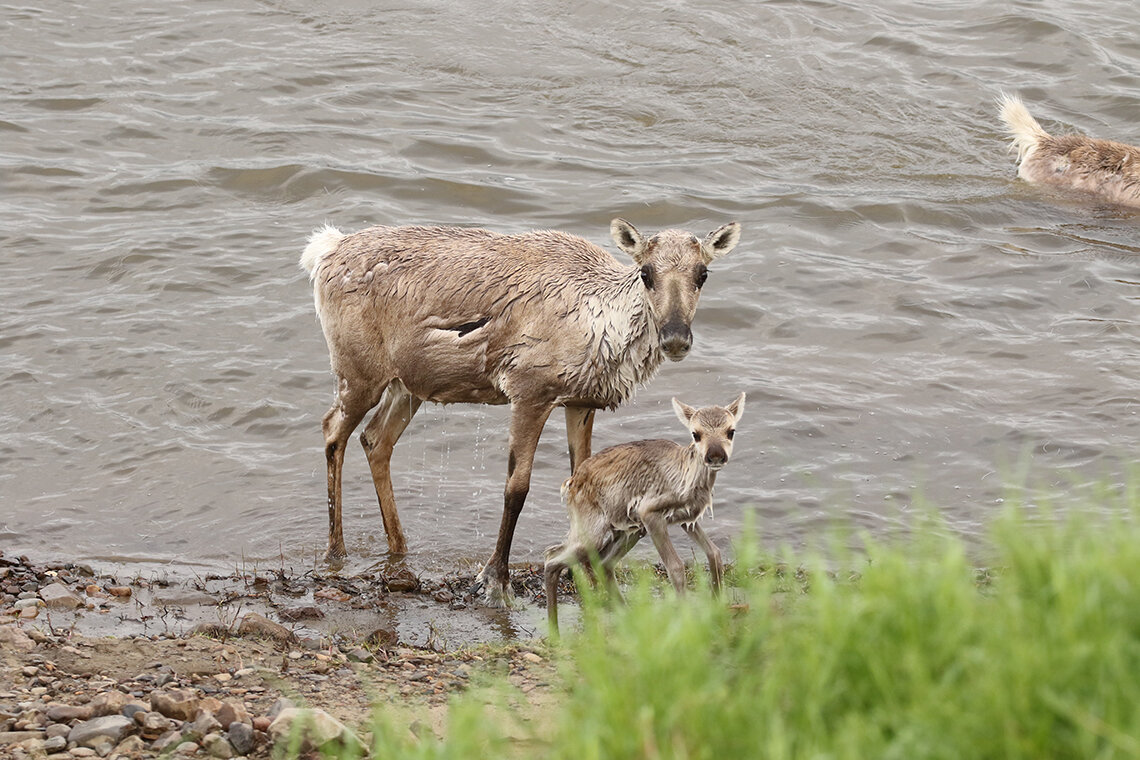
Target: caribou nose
x,y
716,457
676,340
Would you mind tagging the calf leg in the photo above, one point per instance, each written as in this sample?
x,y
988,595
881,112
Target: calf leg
x,y
659,532
397,407
716,567
527,421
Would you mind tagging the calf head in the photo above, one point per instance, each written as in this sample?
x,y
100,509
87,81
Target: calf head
x,y
674,265
713,428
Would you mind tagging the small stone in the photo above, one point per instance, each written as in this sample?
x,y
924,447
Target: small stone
x,y
384,638
186,748
258,625
332,593
29,670
297,614
55,744
317,729
168,740
202,726
217,745
211,630
242,737
90,733
360,655
260,723
81,752
59,596
232,712
402,581
66,713
93,589
29,613
57,729
132,746
179,704
223,677
282,704
109,703
15,737
531,657
209,704
119,590
153,724
132,708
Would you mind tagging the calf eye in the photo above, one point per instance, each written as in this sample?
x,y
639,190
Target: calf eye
x,y
647,276
696,436
730,434
702,275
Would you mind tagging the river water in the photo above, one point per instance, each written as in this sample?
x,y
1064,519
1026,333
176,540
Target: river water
x,y
912,324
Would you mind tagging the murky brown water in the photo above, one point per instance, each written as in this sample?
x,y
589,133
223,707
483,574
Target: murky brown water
x,y
905,316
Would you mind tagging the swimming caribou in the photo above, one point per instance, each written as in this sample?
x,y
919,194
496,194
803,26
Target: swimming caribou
x,y
1104,168
536,320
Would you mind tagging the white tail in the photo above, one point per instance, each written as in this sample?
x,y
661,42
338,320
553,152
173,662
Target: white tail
x,y
1020,125
322,242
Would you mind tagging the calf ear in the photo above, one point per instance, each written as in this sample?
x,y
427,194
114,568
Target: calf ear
x,y
736,408
684,412
720,241
627,238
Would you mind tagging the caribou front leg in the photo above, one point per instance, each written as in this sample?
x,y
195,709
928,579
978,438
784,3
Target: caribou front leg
x,y
527,421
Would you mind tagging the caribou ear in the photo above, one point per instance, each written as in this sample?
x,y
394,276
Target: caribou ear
x,y
721,241
736,408
684,412
627,238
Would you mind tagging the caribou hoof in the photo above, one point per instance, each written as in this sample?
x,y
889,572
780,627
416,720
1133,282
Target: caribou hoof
x,y
491,593
335,557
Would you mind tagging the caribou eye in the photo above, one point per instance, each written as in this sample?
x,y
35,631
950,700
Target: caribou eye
x,y
696,436
730,434
702,275
647,276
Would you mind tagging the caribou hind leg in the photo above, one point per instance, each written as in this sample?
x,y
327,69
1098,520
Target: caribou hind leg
x,y
397,407
346,413
527,421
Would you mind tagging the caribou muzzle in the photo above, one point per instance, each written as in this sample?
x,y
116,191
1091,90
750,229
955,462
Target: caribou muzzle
x,y
676,340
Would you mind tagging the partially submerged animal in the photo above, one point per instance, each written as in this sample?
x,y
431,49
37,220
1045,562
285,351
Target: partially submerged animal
x,y
624,492
537,320
1107,169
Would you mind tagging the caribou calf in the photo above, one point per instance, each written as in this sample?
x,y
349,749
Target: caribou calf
x,y
621,493
538,320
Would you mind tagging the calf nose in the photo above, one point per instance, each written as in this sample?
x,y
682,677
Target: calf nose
x,y
676,340
716,456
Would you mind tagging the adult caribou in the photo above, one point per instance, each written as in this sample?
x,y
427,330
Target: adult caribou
x,y
536,320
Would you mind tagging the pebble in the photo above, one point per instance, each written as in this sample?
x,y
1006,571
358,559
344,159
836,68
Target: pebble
x,y
59,596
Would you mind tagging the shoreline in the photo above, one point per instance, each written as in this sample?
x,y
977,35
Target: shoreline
x,y
74,638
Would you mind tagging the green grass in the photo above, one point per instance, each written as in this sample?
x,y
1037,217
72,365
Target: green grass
x,y
917,654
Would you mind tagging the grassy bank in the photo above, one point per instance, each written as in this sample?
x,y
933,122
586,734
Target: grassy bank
x,y
917,654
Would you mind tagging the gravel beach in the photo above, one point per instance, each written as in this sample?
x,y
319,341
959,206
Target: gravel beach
x,y
96,665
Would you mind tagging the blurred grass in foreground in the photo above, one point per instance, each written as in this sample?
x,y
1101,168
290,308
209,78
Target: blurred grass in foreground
x,y
915,654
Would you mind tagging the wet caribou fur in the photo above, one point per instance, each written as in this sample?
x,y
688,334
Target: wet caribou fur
x,y
1107,169
537,320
